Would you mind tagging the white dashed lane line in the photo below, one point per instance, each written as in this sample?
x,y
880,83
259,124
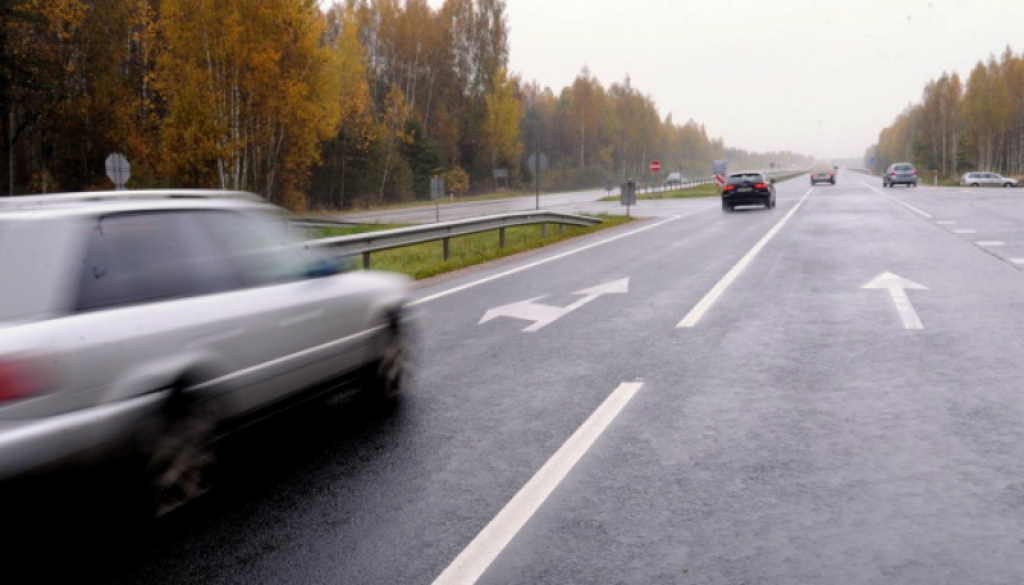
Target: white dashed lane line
x,y
965,231
471,563
990,243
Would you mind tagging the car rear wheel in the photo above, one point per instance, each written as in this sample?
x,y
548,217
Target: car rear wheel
x,y
974,184
726,207
1007,185
182,462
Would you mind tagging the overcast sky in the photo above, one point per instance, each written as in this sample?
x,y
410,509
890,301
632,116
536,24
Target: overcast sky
x,y
820,78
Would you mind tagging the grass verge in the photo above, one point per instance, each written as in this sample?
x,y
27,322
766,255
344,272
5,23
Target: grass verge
x,y
426,260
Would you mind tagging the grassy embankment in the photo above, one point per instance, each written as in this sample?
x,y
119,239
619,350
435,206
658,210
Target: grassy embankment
x,y
426,260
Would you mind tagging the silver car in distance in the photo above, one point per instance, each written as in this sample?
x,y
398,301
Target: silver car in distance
x,y
145,323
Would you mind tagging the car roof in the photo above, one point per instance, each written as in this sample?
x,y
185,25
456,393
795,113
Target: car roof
x,y
96,202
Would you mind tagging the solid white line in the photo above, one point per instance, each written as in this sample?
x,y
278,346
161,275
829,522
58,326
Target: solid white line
x,y
965,231
478,555
923,214
463,287
695,314
1017,260
905,309
991,243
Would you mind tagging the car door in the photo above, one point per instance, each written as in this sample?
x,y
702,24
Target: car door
x,y
282,296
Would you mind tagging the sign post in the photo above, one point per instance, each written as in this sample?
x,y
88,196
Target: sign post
x,y
537,162
719,168
628,194
436,193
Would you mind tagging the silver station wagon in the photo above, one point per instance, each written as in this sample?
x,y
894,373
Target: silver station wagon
x,y
986,180
144,323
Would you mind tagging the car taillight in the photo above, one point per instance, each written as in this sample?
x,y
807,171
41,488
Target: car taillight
x,y
760,186
914,173
893,174
21,378
728,188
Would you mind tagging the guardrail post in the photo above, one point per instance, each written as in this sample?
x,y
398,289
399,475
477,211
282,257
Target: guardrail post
x,y
366,260
501,237
561,228
445,240
543,230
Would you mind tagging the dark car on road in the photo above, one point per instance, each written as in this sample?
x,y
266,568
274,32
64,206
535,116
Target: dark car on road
x,y
748,188
900,174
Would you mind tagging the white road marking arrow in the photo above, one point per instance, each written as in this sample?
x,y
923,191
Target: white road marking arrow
x,y
543,315
897,287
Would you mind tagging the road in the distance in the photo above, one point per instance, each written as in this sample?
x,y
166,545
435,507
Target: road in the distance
x,y
574,202
798,431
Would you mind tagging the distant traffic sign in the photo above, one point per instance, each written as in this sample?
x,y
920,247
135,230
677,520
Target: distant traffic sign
x,y
655,166
118,169
720,180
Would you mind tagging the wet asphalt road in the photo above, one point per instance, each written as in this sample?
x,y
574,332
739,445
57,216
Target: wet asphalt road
x,y
798,432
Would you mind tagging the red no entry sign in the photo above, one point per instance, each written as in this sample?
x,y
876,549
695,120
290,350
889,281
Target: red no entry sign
x,y
655,166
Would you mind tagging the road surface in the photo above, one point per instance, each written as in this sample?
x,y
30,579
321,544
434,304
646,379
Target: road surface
x,y
825,392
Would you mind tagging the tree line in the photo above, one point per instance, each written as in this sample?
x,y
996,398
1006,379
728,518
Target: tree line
x,y
358,104
960,127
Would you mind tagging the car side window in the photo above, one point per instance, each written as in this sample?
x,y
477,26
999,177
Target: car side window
x,y
142,257
260,251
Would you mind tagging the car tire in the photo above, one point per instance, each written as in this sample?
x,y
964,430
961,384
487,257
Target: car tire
x,y
389,376
726,207
182,463
974,184
1007,185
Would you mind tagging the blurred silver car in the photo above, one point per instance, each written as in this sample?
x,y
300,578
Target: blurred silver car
x,y
144,323
900,174
978,179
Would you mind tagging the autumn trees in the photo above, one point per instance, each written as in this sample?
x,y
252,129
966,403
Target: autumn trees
x,y
962,126
362,102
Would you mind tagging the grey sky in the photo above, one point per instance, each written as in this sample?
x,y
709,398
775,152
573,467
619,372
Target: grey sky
x,y
821,78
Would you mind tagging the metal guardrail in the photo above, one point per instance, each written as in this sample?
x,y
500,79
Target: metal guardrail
x,y
309,222
661,187
369,242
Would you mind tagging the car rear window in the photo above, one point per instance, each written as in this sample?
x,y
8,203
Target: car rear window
x,y
741,178
29,257
904,167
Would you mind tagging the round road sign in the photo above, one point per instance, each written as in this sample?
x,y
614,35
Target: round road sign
x,y
655,166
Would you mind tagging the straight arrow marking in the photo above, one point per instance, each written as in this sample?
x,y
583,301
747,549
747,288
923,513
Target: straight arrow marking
x,y
897,287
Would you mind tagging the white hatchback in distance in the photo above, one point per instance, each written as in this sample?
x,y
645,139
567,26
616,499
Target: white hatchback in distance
x,y
986,180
